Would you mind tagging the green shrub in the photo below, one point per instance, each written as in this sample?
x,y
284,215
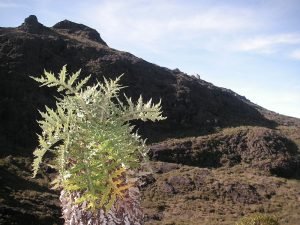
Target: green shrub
x,y
258,219
96,149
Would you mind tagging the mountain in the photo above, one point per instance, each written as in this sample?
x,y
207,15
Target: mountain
x,y
217,156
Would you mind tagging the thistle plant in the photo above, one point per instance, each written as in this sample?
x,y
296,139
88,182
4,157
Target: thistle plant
x,y
96,149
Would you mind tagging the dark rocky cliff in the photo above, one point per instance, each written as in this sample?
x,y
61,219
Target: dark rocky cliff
x,y
192,106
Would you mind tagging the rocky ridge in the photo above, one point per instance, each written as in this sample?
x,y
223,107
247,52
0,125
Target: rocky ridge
x,y
255,147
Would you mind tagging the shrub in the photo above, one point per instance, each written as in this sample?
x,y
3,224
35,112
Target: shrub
x,y
96,149
258,219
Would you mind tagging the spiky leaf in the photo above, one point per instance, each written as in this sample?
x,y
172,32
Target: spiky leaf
x,y
93,142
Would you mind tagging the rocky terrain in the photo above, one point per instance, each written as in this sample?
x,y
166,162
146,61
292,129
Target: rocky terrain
x,y
216,158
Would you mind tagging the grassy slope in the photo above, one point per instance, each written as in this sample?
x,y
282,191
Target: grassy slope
x,y
191,195
224,196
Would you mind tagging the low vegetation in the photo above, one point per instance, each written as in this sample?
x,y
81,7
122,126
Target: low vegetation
x,y
258,219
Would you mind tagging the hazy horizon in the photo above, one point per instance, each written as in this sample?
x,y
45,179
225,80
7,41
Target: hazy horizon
x,y
250,47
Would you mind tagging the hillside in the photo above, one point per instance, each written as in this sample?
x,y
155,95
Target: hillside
x,y
217,156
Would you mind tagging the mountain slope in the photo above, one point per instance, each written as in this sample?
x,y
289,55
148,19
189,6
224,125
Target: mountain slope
x,y
191,105
197,111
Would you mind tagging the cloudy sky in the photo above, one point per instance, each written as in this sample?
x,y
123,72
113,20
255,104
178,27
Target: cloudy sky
x,y
249,46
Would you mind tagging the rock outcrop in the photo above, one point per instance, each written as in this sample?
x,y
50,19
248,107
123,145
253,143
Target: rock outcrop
x,y
256,147
79,30
31,25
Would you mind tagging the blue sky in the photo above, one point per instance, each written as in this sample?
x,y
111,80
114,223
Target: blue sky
x,y
251,47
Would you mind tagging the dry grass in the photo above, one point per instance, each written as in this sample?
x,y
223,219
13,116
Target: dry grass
x,y
208,206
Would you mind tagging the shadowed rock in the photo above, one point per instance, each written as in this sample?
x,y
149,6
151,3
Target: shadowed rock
x,y
31,25
254,146
79,30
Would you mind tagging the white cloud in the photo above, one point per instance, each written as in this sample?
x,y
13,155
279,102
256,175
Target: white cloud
x,y
215,19
148,24
9,5
295,54
156,26
267,44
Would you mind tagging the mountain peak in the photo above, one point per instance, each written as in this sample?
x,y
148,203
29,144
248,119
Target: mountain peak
x,y
79,30
32,25
31,20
